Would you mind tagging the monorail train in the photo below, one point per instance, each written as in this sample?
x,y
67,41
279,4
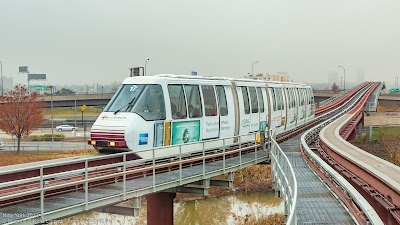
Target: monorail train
x,y
163,110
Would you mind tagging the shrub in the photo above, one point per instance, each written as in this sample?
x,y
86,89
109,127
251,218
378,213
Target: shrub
x,y
46,137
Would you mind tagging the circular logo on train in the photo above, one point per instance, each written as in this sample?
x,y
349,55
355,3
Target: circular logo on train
x,y
186,136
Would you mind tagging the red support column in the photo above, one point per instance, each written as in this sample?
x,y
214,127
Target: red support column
x,y
160,208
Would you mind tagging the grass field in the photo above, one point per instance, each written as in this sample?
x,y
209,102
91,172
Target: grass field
x,y
12,158
70,111
377,132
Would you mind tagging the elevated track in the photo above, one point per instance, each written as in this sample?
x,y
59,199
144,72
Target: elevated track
x,y
36,193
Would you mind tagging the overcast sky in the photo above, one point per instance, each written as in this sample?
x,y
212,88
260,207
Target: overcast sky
x,y
82,41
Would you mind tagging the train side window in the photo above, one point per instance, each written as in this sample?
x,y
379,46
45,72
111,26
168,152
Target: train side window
x,y
178,103
254,101
260,99
194,102
223,106
246,100
210,103
289,98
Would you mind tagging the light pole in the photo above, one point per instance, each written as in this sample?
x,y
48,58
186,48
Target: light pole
x,y
252,67
102,98
52,123
344,77
1,69
145,67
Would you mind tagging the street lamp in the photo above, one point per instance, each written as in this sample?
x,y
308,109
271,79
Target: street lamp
x,y
252,67
52,123
344,77
145,67
102,98
1,64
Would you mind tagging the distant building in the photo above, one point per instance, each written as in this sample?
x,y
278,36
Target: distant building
x,y
36,82
280,76
7,83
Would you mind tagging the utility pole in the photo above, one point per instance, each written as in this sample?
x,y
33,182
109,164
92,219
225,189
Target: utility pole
x,y
83,108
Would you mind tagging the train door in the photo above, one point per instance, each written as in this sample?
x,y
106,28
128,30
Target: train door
x,y
226,115
179,133
279,117
296,105
302,110
308,97
290,106
254,115
244,110
312,103
287,106
273,104
262,97
210,126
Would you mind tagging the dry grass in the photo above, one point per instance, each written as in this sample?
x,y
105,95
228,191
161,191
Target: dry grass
x,y
388,108
256,178
11,158
70,111
271,219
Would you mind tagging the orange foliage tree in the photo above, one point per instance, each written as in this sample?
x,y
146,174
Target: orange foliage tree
x,y
20,112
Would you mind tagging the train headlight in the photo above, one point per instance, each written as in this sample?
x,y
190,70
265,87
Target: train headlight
x,y
112,143
93,142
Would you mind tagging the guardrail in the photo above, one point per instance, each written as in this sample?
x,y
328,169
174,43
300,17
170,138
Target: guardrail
x,y
87,171
309,137
284,179
335,97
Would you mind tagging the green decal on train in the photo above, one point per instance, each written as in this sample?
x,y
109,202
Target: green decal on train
x,y
263,125
185,132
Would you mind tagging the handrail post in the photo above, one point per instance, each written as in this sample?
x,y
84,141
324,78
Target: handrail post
x,y
124,176
41,194
86,185
180,164
223,150
154,171
204,162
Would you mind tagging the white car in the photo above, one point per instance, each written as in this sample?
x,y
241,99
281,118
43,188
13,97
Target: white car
x,y
66,128
1,143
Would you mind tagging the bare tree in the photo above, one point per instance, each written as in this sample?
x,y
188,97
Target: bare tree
x,y
335,88
20,113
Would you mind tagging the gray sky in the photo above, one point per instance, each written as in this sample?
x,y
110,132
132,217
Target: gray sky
x,y
82,41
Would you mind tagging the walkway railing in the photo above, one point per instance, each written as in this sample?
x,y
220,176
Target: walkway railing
x,y
79,177
284,179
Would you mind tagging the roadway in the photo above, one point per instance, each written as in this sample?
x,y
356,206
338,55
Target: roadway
x,y
45,145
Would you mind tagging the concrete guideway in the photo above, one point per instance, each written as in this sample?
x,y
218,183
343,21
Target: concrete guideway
x,y
334,179
377,179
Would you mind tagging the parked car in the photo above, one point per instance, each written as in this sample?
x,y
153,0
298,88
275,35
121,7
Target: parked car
x,y
1,143
66,128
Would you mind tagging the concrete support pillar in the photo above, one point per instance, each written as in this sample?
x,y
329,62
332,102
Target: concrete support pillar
x,y
160,208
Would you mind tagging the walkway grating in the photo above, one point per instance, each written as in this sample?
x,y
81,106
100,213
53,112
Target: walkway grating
x,y
316,204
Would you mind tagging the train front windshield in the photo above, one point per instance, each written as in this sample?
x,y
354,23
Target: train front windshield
x,y
145,100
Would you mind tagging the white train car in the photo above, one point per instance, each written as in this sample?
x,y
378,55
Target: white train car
x,y
163,110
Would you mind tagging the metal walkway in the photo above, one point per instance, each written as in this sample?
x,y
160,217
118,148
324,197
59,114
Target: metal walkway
x,y
373,99
315,202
